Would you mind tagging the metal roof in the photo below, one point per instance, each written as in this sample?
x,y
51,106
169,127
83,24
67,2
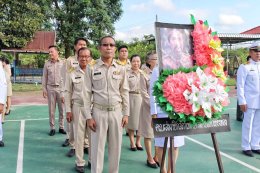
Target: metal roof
x,y
255,30
39,44
232,38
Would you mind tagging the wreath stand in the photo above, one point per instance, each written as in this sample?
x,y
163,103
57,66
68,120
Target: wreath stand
x,y
163,127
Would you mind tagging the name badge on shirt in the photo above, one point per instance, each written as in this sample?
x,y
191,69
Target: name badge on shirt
x,y
97,73
131,76
77,77
116,72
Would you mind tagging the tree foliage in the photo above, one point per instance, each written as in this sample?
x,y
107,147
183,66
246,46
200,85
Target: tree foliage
x,y
84,18
19,21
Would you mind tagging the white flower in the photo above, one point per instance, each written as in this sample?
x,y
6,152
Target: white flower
x,y
208,95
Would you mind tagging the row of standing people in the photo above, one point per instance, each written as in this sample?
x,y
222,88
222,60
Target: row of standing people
x,y
143,108
100,98
62,84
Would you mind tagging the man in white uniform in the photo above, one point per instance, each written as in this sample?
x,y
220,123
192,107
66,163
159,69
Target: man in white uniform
x,y
248,93
3,89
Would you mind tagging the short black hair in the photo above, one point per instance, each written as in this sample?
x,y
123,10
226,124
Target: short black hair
x,y
2,59
135,55
107,36
80,39
85,48
53,46
121,47
7,61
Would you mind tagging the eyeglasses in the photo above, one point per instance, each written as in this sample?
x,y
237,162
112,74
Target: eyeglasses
x,y
108,44
84,57
255,50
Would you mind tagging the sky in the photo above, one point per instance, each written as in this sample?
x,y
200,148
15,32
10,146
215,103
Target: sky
x,y
223,16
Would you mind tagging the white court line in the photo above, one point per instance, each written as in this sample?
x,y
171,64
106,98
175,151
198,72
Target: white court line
x,y
19,168
225,155
30,104
230,108
36,119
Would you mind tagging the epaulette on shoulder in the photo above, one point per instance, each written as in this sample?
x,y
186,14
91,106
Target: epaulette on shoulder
x,y
71,69
142,72
119,62
92,63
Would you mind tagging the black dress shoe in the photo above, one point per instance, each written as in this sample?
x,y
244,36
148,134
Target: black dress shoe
x,y
157,162
66,143
71,153
151,165
256,151
62,131
80,169
86,150
89,165
52,132
139,148
7,113
248,153
133,148
2,144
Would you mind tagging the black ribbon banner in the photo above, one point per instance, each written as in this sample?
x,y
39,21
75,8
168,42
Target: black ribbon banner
x,y
165,127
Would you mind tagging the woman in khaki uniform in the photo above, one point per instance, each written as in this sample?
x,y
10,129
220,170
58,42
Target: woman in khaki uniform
x,y
145,128
135,101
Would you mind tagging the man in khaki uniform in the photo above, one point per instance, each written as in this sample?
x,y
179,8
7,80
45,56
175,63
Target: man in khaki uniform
x,y
74,104
123,57
124,61
107,84
70,65
52,83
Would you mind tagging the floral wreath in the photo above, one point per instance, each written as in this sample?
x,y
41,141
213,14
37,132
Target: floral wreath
x,y
198,94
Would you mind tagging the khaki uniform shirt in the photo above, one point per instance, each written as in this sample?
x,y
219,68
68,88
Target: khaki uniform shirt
x,y
145,84
127,65
69,65
52,74
134,82
107,85
74,88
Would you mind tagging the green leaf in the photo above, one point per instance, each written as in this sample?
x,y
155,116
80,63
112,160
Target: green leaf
x,y
159,86
162,99
206,23
214,33
192,119
169,107
181,115
192,18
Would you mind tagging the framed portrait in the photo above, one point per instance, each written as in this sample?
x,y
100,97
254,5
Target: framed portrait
x,y
174,45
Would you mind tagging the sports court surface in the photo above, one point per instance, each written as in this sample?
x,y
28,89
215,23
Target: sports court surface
x,y
29,148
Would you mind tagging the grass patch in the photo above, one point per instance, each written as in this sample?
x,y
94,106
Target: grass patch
x,y
231,82
26,87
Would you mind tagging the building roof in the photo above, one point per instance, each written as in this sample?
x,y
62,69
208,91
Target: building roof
x,y
39,44
232,38
255,30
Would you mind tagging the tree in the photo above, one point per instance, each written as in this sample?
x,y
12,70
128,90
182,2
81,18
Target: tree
x,y
84,18
19,21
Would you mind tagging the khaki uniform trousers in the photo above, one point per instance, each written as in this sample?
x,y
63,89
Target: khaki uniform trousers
x,y
108,127
54,97
81,133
